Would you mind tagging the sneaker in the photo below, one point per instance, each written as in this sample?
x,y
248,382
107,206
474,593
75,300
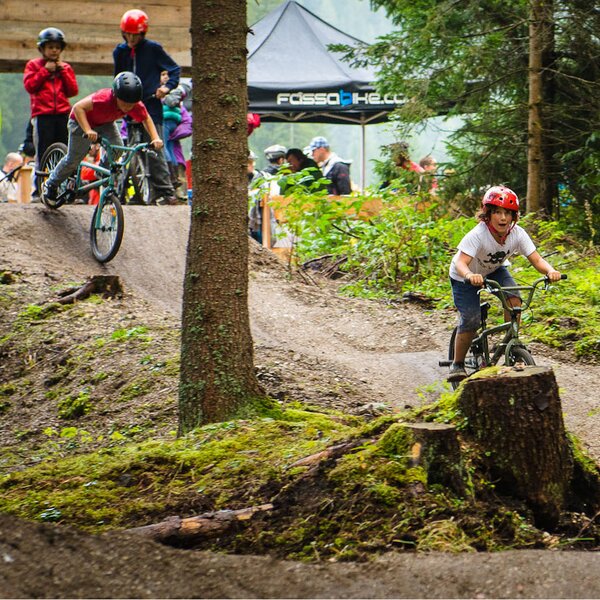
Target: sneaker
x,y
457,372
50,191
167,201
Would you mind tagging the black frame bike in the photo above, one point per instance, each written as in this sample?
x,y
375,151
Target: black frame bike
x,y
510,350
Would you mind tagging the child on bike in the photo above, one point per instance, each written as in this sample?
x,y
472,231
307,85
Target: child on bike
x,y
95,115
484,253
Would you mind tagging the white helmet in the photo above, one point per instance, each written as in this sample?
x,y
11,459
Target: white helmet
x,y
273,153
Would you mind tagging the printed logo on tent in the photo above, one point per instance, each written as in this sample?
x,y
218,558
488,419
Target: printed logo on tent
x,y
339,98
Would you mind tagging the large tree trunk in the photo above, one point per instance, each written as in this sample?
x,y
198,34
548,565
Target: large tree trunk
x,y
217,371
539,188
516,417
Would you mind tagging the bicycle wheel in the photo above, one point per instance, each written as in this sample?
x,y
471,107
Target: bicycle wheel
x,y
520,355
136,189
53,155
472,362
106,230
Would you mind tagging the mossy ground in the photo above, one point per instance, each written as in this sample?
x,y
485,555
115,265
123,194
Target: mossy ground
x,y
90,393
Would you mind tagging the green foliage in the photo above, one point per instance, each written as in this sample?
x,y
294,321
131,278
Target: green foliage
x,y
471,60
408,245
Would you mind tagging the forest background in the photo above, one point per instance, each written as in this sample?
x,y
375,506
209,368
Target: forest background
x,y
361,22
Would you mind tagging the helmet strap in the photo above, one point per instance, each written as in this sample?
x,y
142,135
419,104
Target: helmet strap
x,y
496,233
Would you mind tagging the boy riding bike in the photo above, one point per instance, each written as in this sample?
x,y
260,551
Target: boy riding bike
x,y
484,253
95,115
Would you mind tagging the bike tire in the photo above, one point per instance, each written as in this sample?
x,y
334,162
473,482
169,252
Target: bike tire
x,y
517,355
138,177
470,359
51,157
106,229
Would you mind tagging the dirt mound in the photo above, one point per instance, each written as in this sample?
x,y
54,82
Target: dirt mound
x,y
310,344
44,561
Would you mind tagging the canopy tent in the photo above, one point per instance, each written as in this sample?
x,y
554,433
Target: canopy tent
x,y
292,76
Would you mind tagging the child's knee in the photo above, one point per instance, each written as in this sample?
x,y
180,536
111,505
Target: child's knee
x,y
469,322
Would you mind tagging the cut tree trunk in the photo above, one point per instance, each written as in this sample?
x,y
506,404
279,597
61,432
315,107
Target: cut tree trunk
x,y
516,417
435,448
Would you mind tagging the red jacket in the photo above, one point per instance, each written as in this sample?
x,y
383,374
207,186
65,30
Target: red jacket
x,y
49,92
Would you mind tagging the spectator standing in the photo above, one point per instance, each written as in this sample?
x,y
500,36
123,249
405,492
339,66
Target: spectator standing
x,y
275,156
147,59
334,168
182,131
429,166
50,82
401,158
298,161
8,185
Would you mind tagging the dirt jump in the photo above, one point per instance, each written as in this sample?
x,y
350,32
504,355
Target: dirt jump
x,y
379,355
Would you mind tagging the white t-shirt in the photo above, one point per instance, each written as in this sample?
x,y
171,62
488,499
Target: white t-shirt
x,y
487,253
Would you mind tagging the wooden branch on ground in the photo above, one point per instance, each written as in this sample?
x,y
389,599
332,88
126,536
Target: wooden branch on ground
x,y
331,452
178,530
107,285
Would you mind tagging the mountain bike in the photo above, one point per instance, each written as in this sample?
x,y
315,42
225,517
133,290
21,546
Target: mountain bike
x,y
510,350
134,183
108,223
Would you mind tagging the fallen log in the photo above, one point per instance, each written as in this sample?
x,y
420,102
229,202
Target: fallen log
x,y
108,285
176,530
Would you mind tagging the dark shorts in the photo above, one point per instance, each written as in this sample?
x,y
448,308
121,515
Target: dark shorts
x,y
466,298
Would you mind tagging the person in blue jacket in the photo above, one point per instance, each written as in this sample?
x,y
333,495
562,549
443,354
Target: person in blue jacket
x,y
147,59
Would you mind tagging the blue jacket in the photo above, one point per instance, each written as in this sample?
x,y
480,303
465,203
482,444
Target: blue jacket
x,y
147,60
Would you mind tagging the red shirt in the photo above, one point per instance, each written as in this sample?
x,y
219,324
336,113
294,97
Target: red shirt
x,y
105,109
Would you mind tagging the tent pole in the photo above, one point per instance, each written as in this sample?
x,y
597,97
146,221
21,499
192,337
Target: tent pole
x,y
363,156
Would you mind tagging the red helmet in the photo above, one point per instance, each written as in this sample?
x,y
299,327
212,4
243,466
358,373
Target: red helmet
x,y
134,21
503,197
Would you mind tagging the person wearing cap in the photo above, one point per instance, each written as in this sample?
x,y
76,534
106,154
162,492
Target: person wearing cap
x,y
275,155
334,168
50,82
147,59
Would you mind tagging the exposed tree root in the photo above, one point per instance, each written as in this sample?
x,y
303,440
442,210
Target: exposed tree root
x,y
108,285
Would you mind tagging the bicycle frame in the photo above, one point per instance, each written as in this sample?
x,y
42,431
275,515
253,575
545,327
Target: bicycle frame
x,y
107,175
480,344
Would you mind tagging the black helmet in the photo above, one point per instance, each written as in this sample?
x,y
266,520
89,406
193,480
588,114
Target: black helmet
x,y
51,34
127,86
275,152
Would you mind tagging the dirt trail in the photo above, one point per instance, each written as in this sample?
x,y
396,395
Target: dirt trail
x,y
381,354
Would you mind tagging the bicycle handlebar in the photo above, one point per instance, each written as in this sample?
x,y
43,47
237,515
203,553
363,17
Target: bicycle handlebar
x,y
493,287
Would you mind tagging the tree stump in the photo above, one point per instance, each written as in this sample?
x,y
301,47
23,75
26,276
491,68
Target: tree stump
x,y
435,447
516,417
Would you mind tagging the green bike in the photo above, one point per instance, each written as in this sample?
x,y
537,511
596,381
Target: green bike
x,y
108,222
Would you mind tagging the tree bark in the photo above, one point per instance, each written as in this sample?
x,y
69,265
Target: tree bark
x,y
217,370
540,45
516,417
